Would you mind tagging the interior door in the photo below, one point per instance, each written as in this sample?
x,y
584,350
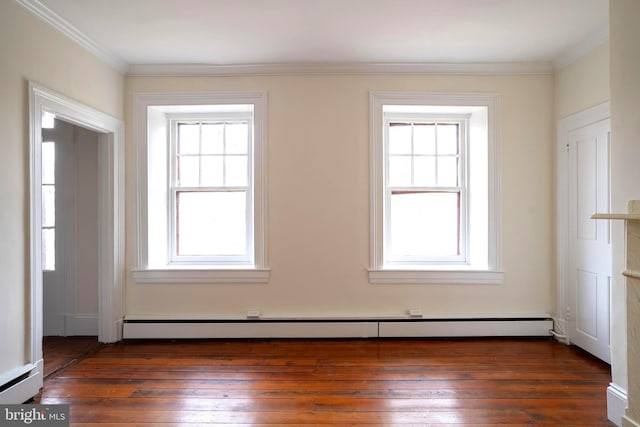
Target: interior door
x,y
589,257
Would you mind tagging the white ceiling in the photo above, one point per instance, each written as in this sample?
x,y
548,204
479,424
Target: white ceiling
x,y
241,32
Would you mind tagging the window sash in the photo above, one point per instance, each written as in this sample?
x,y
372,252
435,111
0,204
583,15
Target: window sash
x,y
245,258
461,257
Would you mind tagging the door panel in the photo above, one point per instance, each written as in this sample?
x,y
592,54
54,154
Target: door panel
x,y
589,258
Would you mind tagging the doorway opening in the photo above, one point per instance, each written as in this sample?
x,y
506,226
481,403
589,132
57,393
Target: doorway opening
x,y
109,141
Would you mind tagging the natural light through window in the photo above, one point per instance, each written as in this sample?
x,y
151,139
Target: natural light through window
x,y
202,185
48,206
210,190
435,191
424,195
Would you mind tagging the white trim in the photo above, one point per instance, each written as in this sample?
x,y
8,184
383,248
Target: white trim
x,y
436,276
110,209
329,68
142,271
253,275
616,404
25,389
377,102
60,24
162,327
251,330
492,328
583,48
81,324
564,126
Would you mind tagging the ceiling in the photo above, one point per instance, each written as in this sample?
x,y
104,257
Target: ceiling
x,y
242,32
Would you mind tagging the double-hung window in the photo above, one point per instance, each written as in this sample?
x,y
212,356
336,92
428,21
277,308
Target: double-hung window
x,y
211,212
434,188
425,189
201,180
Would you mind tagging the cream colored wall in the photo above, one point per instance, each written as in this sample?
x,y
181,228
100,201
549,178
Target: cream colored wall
x,y
582,84
318,195
32,50
625,149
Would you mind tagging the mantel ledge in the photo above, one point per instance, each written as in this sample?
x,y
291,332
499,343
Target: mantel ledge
x,y
624,216
634,274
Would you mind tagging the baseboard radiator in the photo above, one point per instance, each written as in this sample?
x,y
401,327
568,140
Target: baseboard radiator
x,y
20,384
150,328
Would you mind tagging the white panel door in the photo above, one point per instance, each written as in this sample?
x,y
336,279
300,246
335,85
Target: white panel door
x,y
589,257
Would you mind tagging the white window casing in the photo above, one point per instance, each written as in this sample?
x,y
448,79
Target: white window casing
x,y
156,118
478,259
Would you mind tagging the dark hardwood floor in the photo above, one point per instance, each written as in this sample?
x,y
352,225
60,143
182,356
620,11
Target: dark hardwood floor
x,y
60,352
484,382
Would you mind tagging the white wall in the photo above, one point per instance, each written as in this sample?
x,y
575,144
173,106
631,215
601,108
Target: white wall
x,y
583,83
318,197
625,145
31,50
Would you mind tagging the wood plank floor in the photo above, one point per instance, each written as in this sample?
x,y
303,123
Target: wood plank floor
x,y
334,382
60,352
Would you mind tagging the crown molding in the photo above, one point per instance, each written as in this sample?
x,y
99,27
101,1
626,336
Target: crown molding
x,y
328,68
584,47
53,19
503,68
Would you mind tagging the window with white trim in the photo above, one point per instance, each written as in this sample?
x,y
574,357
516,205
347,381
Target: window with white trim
x,y
202,178
210,195
435,188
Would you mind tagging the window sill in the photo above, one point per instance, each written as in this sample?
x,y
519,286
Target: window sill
x,y
202,275
436,276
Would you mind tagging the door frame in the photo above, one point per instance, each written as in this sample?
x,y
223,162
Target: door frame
x,y
111,198
564,127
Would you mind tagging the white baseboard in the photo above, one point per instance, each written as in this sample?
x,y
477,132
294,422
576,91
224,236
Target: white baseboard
x,y
81,324
616,404
466,328
137,328
251,330
24,389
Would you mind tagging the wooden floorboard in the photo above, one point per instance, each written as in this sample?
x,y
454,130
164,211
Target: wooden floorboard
x,y
475,382
61,352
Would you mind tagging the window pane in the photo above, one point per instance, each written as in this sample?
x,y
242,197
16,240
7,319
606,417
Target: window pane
x,y
448,171
188,171
424,171
399,171
237,138
211,223
399,138
48,206
236,171
424,139
213,138
424,224
48,163
188,138
447,139
49,249
212,171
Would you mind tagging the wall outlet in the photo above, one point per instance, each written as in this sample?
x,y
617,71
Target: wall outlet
x,y
253,314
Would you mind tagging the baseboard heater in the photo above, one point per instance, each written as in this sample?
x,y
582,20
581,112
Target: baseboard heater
x,y
148,328
20,384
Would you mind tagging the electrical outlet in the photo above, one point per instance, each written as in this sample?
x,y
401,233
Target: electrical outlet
x,y
415,312
253,314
